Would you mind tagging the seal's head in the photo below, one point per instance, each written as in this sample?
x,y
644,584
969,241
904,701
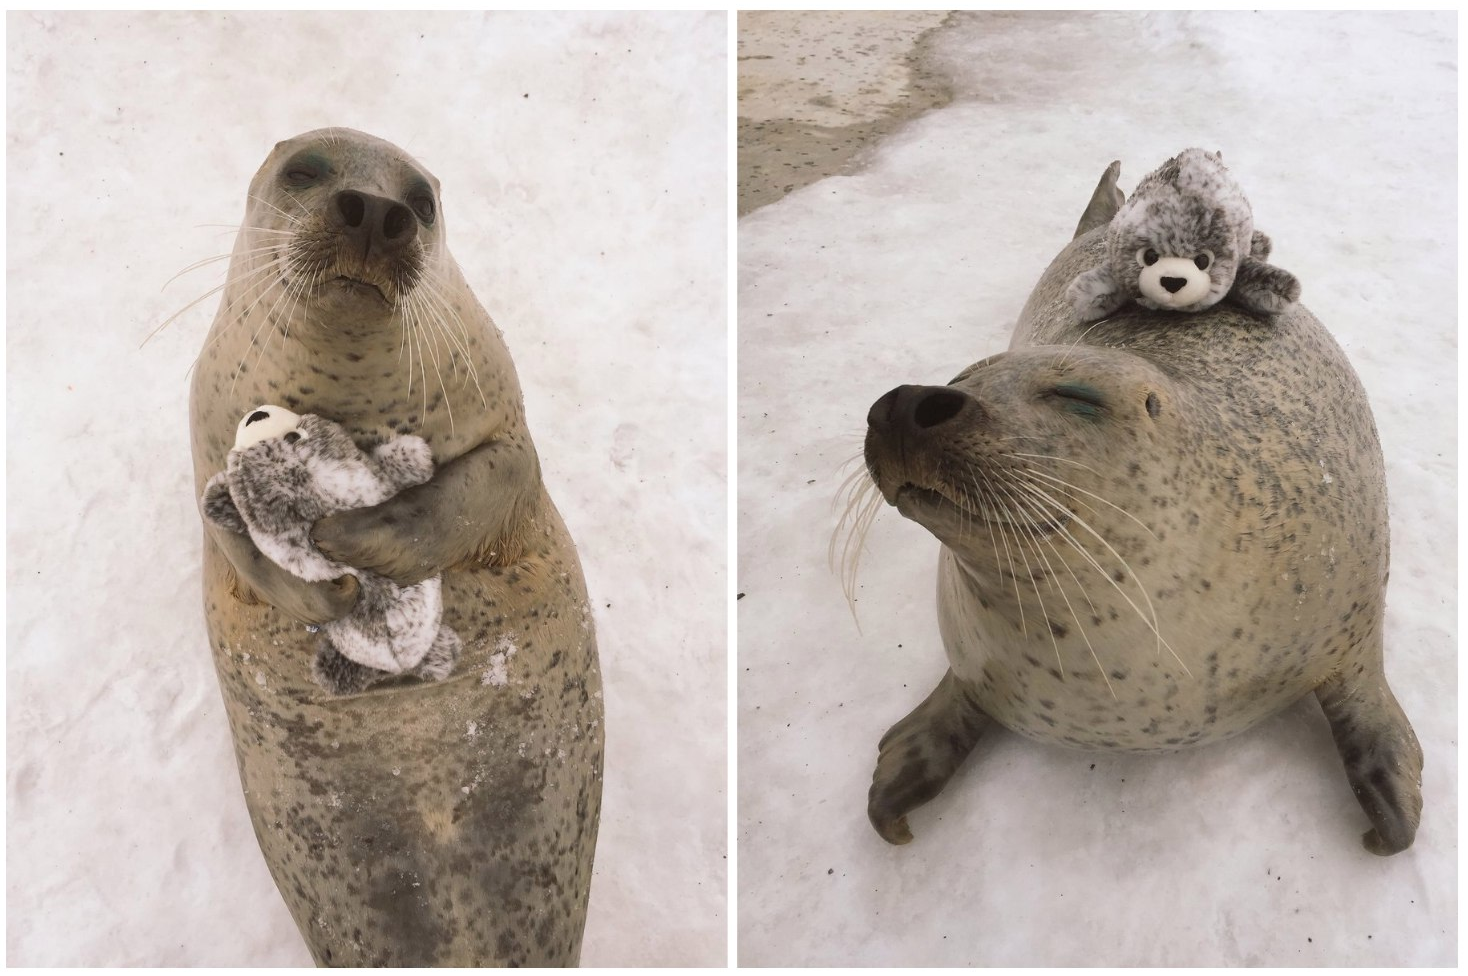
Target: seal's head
x,y
346,222
1021,444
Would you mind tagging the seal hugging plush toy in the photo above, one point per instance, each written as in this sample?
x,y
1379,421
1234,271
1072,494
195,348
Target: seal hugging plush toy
x,y
286,472
1183,241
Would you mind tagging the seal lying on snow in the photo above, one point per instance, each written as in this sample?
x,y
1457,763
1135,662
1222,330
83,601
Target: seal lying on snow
x,y
1153,537
415,824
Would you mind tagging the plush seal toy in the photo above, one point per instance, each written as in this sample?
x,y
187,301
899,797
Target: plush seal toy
x,y
1152,538
1182,242
414,823
287,471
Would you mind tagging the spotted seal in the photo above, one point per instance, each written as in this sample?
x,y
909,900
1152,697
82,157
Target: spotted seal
x,y
414,823
1153,537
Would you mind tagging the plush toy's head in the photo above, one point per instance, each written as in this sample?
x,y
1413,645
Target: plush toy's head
x,y
1177,243
263,423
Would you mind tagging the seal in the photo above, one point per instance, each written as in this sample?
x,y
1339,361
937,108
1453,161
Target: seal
x,y
414,823
1153,537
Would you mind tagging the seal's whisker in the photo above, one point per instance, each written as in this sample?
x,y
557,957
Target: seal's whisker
x,y
248,282
1004,531
205,262
1151,621
1040,515
291,293
1024,531
863,505
433,294
1051,457
410,310
293,219
1031,472
176,315
1060,361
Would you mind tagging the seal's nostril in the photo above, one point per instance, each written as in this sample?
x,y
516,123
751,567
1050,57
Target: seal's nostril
x,y
398,219
352,208
937,407
1174,285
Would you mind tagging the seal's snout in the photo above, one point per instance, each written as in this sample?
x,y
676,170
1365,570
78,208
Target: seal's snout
x,y
911,409
372,221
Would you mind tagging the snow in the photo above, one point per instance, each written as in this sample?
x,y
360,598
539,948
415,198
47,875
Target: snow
x,y
585,183
1341,129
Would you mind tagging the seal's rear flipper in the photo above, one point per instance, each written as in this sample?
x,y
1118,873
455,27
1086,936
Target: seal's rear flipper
x,y
919,755
1105,202
1382,757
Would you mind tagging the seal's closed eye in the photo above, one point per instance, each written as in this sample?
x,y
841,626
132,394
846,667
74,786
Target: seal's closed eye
x,y
1079,398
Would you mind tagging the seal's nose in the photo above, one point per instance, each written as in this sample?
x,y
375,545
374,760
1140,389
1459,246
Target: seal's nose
x,y
1174,285
917,408
374,221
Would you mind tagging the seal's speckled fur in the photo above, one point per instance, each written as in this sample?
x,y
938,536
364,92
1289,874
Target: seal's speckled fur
x,y
1153,537
422,824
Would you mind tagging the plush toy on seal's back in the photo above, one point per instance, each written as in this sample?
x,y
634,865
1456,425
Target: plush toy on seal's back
x,y
1182,242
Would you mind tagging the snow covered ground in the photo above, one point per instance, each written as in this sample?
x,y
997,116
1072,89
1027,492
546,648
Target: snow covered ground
x,y
584,170
1342,130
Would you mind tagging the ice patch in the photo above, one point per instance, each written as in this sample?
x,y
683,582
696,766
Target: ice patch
x,y
498,672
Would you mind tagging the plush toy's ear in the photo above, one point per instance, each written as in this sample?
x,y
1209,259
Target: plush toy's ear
x,y
219,507
1263,288
1095,294
1260,246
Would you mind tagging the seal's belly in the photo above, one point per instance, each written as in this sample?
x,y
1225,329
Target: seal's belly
x,y
386,815
1116,687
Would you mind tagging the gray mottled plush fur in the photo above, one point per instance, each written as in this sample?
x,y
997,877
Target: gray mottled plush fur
x,y
276,489
1187,206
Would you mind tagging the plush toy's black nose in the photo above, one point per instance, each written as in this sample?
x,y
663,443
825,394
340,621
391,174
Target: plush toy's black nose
x,y
1174,285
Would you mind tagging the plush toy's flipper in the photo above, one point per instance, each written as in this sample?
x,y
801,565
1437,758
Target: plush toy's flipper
x,y
340,676
1105,202
1260,246
441,656
1095,294
404,461
219,508
1263,288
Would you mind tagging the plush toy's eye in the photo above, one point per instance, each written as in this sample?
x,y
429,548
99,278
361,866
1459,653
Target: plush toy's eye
x,y
292,436
1147,257
1203,261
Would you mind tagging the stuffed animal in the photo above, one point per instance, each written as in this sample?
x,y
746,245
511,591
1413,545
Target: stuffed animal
x,y
1182,242
285,472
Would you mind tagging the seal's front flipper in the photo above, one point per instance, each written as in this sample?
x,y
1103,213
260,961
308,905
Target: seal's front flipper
x,y
1382,757
1105,202
918,756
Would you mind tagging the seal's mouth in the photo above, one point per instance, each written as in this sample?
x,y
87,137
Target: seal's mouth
x,y
358,287
913,500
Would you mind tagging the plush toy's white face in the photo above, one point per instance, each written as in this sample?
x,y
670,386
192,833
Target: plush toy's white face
x,y
263,423
1174,282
